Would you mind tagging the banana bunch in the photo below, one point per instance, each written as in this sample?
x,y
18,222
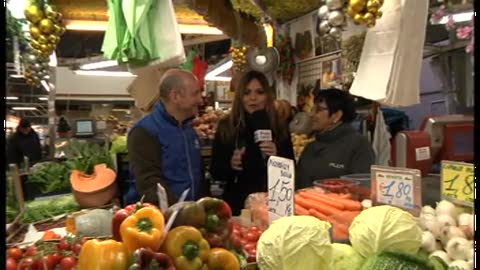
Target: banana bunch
x,y
365,12
45,31
239,58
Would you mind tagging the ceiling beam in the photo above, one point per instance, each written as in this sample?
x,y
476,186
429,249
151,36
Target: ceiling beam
x,y
204,39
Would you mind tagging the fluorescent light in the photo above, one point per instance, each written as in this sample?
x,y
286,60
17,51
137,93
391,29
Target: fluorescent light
x,y
43,98
17,8
121,110
104,73
219,70
97,65
24,108
17,76
45,85
85,25
219,79
53,60
459,17
11,98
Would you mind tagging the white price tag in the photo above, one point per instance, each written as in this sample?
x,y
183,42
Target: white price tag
x,y
422,153
395,189
281,187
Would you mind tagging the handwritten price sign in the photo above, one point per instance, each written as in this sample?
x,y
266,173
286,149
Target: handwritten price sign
x,y
281,187
458,182
399,187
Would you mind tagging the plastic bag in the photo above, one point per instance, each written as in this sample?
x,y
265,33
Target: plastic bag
x,y
257,203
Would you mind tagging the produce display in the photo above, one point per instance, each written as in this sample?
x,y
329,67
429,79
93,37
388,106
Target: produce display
x,y
50,177
299,142
206,124
448,234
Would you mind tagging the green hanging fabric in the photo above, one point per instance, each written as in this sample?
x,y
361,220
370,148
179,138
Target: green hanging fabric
x,y
188,65
115,31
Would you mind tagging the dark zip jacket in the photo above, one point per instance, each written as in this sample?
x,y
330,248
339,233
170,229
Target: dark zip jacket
x,y
335,153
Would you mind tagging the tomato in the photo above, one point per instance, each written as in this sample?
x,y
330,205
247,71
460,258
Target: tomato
x,y
11,264
57,257
26,264
250,246
31,251
76,248
235,241
63,245
15,253
253,252
244,231
236,232
252,236
47,261
68,263
243,241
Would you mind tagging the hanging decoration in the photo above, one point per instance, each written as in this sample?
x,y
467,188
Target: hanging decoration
x,y
331,19
45,31
365,12
239,57
287,62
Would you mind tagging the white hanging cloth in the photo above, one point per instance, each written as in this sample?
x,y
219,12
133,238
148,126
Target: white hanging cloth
x,y
381,141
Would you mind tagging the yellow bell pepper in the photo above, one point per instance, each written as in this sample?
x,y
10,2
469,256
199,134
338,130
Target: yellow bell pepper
x,y
188,249
220,258
143,229
103,255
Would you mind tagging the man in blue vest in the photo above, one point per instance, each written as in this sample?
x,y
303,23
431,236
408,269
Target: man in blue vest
x,y
164,148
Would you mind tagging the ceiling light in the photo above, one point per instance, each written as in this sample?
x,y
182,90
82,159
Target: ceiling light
x,y
11,98
104,73
43,98
198,29
459,17
219,70
53,60
97,65
219,79
17,76
24,108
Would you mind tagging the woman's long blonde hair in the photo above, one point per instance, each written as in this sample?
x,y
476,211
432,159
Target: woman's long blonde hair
x,y
236,118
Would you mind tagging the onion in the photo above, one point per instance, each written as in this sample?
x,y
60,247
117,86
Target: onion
x,y
428,242
458,248
366,204
459,265
445,207
466,224
427,209
447,233
440,254
427,221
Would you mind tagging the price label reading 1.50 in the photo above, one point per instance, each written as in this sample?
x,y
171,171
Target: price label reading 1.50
x,y
281,185
395,189
458,182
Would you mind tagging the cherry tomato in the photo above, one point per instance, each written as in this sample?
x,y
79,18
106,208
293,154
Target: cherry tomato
x,y
243,241
76,248
47,261
63,245
253,252
251,258
235,241
31,251
250,246
26,264
15,253
57,257
68,263
252,236
244,231
11,264
236,232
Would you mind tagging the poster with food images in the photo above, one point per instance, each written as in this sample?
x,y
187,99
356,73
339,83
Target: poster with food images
x,y
302,34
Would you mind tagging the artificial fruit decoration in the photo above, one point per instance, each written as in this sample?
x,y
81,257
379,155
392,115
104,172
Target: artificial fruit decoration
x,y
42,39
145,228
146,259
35,31
103,255
46,26
188,249
34,13
331,18
365,12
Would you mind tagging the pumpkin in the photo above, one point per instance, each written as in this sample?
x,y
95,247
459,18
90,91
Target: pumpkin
x,y
94,190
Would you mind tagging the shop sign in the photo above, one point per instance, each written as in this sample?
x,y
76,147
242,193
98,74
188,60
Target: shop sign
x,y
281,187
458,182
400,187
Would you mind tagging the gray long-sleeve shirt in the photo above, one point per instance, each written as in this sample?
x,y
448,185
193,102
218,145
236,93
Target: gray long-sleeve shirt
x,y
337,152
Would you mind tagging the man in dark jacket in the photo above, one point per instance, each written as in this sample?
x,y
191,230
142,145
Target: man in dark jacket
x,y
164,148
24,143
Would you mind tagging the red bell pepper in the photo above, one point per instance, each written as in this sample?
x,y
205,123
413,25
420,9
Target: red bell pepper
x,y
122,214
218,213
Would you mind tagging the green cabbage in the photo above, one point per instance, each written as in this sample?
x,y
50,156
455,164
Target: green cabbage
x,y
119,145
345,257
296,242
385,228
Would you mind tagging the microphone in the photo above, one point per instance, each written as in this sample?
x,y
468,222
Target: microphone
x,y
261,126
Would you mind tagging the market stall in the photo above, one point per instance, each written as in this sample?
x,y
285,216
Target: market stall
x,y
413,210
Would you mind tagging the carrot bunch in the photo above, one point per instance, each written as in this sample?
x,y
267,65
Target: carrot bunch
x,y
338,209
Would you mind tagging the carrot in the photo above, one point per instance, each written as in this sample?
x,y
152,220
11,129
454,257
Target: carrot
x,y
299,210
323,208
331,200
340,230
351,204
312,197
317,214
339,195
346,217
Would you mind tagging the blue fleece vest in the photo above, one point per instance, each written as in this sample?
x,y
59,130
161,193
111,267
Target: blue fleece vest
x,y
181,155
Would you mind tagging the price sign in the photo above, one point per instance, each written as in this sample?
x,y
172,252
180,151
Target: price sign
x,y
458,182
281,187
398,187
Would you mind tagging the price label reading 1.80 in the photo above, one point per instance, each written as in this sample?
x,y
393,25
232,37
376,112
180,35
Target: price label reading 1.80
x,y
458,182
281,187
395,189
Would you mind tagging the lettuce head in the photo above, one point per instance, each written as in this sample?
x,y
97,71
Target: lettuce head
x,y
345,257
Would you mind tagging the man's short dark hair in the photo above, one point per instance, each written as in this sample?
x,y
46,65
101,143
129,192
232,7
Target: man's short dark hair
x,y
24,123
338,100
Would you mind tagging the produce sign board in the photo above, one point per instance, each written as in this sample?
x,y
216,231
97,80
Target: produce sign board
x,y
458,182
281,187
400,187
